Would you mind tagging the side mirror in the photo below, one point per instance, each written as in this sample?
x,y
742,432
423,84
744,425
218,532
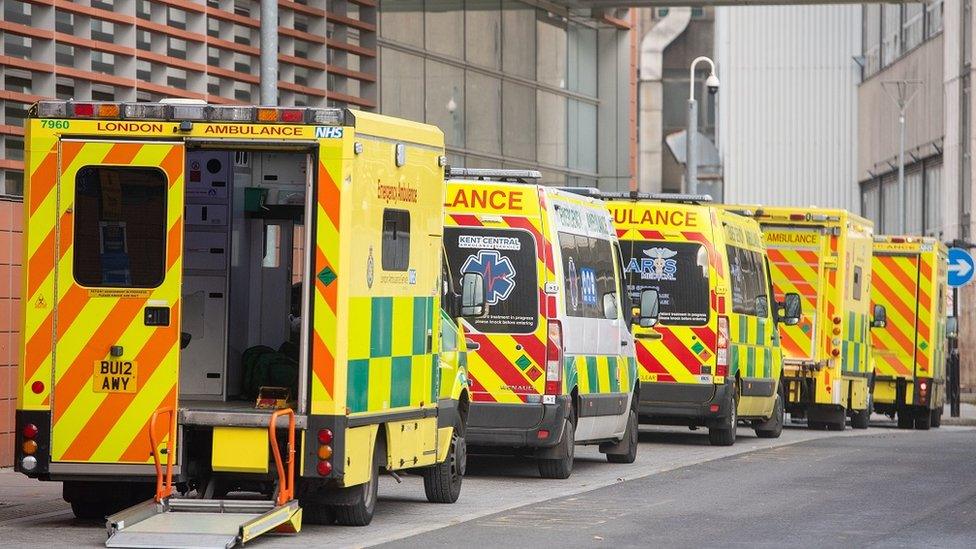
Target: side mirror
x,y
610,306
649,308
762,306
880,319
185,338
792,309
473,295
471,345
952,327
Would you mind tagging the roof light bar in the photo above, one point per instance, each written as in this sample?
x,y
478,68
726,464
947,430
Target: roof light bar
x,y
194,109
52,109
232,114
145,111
495,174
326,117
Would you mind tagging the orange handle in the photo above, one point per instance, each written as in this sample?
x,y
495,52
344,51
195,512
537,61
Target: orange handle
x,y
163,489
286,490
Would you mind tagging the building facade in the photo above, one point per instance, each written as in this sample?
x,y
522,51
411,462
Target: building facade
x,y
787,112
515,85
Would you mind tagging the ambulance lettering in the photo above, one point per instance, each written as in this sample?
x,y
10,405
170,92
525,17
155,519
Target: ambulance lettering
x,y
498,272
497,199
669,218
328,132
658,265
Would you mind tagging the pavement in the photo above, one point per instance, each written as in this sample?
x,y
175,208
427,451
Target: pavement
x,y
32,512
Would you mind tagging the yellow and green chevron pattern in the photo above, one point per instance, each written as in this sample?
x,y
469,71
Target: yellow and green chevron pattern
x,y
854,347
594,374
753,350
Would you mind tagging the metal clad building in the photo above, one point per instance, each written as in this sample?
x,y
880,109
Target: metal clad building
x,y
788,104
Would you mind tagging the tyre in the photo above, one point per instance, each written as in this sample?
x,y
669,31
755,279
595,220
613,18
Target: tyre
x,y
937,418
725,435
318,513
630,435
862,418
773,428
816,425
906,419
561,468
923,420
442,482
87,510
837,426
360,513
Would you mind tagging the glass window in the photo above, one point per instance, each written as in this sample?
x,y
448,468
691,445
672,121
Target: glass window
x,y
518,35
518,121
483,119
582,59
933,23
402,92
403,21
120,227
889,205
933,199
913,201
871,39
396,240
588,274
444,27
871,202
748,280
890,34
507,260
677,270
856,283
483,33
582,136
445,101
551,126
914,25
551,56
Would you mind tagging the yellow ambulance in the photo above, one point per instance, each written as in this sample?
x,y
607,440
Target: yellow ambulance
x,y
553,359
234,298
909,282
713,359
824,255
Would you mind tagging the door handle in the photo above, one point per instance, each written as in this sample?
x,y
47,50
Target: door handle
x,y
623,343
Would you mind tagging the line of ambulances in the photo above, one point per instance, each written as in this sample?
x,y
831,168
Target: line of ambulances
x,y
223,301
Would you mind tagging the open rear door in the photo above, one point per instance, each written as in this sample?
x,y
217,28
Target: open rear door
x,y
117,278
796,259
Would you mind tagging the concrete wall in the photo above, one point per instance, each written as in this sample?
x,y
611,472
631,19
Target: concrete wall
x,y
11,223
788,103
878,114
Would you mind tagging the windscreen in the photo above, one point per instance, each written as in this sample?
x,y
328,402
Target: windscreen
x,y
506,258
677,270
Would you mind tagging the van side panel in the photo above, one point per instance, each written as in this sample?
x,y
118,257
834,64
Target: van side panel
x,y
855,308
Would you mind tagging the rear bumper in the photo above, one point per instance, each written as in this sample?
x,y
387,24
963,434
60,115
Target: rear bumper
x,y
892,393
516,425
684,403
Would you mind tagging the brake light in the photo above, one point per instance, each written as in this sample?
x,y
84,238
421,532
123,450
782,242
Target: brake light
x,y
325,436
30,430
37,387
797,217
554,359
83,109
292,115
324,468
722,348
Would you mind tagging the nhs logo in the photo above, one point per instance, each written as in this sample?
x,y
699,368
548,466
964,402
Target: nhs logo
x,y
328,132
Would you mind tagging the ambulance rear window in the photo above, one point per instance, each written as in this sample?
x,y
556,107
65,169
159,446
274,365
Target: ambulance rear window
x,y
120,227
507,260
677,270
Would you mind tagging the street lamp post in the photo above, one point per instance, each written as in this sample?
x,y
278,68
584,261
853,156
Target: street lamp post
x,y
901,92
691,137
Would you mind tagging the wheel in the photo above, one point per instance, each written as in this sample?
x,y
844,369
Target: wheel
x,y
725,435
837,426
359,513
630,435
442,482
773,428
88,510
816,425
906,419
923,420
318,513
937,418
862,418
561,468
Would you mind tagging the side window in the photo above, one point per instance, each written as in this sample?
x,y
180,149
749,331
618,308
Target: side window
x,y
588,274
749,286
120,227
449,334
857,283
396,240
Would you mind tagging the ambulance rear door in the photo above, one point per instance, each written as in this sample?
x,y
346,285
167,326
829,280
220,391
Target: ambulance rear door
x,y
894,284
117,312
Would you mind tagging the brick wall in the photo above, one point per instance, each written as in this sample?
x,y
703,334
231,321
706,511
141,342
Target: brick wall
x,y
11,226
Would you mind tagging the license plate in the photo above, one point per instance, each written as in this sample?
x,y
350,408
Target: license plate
x,y
115,376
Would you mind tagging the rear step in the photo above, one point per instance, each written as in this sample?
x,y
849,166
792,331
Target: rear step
x,y
169,522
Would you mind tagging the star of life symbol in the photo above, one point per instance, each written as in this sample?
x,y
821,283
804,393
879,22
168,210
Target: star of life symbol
x,y
498,271
658,265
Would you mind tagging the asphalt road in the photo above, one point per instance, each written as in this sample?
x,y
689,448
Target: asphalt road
x,y
805,488
884,490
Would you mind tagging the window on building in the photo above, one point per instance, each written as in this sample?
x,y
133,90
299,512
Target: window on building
x,y
445,101
913,27
933,18
120,227
933,225
890,34
395,255
518,36
967,32
444,27
519,123
913,200
551,51
483,28
13,183
483,119
403,21
552,128
889,204
871,202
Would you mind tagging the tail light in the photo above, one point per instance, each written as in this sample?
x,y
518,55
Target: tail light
x,y
325,438
30,431
798,217
324,468
554,359
722,350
